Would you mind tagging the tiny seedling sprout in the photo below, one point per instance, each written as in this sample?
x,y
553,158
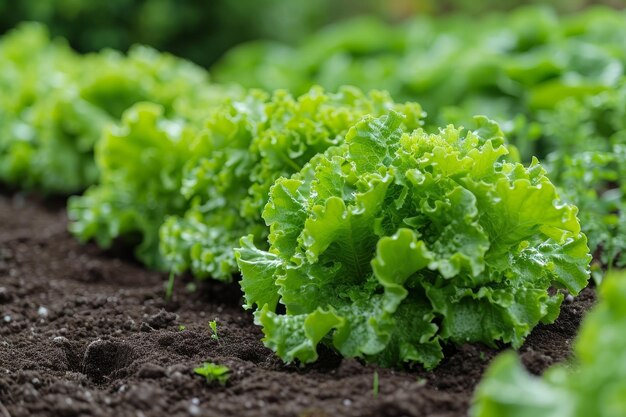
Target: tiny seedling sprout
x,y
213,326
214,372
375,384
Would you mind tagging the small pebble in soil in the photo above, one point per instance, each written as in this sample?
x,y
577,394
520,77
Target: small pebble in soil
x,y
7,319
194,410
347,402
42,311
569,298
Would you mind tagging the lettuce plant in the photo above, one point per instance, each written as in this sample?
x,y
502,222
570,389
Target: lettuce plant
x,y
183,188
397,242
593,385
555,82
141,164
246,144
31,67
56,104
588,146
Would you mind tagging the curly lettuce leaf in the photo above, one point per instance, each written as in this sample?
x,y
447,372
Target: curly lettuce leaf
x,y
556,85
140,163
401,241
245,146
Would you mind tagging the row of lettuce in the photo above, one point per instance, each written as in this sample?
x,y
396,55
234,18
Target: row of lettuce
x,y
556,85
202,31
354,220
55,104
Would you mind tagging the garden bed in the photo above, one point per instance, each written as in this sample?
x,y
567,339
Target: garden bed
x,y
84,332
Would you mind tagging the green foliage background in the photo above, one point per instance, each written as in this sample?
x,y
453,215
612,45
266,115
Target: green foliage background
x,y
203,30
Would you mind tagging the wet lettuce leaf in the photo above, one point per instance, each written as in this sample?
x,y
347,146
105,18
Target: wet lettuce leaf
x,y
399,241
244,147
556,84
183,188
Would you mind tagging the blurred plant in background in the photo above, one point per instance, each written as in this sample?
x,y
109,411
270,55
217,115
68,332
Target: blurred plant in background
x,y
194,29
202,31
55,104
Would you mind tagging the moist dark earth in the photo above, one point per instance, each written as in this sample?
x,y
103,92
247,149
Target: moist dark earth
x,y
84,332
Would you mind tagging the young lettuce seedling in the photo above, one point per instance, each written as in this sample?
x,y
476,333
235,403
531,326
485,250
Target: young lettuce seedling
x,y
213,326
214,372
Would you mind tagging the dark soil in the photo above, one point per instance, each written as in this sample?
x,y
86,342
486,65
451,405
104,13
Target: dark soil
x,y
84,333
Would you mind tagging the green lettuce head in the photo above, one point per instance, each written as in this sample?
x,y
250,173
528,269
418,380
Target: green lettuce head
x,y
395,243
245,146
